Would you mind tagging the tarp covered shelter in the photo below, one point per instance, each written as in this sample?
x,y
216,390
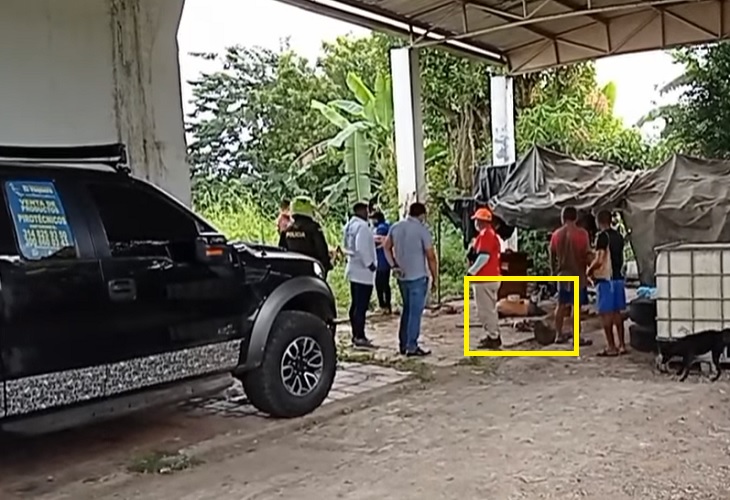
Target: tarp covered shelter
x,y
489,179
686,199
544,182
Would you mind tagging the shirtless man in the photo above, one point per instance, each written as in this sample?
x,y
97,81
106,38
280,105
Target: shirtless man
x,y
569,254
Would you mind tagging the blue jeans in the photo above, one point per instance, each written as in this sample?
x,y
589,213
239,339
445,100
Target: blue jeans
x,y
414,294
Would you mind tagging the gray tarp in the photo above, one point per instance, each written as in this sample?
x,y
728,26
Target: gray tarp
x,y
685,199
544,182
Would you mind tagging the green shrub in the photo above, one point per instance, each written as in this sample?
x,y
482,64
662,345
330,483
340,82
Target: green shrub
x,y
229,207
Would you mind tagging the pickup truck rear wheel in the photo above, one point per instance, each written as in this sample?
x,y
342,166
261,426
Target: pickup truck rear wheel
x,y
298,368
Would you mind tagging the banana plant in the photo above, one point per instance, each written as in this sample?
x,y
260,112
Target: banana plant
x,y
609,91
365,137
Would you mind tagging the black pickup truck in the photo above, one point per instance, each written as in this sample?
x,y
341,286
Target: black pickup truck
x,y
114,296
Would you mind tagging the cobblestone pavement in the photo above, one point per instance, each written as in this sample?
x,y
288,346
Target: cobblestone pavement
x,y
352,379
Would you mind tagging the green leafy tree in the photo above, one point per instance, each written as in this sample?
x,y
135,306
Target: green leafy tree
x,y
252,121
699,121
570,113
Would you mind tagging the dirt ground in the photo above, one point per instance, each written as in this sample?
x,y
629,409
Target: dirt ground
x,y
521,428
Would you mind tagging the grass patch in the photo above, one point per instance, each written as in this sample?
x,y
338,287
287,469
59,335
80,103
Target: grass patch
x,y
162,462
471,361
417,368
231,208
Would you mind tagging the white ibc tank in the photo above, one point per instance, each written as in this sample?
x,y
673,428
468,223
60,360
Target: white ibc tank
x,y
693,289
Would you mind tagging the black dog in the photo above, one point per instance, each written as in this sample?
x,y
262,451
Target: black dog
x,y
692,346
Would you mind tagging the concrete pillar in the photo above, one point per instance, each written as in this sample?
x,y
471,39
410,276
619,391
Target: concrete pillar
x,y
80,72
405,71
503,129
147,95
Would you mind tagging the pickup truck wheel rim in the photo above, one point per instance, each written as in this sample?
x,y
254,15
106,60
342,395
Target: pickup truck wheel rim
x,y
301,366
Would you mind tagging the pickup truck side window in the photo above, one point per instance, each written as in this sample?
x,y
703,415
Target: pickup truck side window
x,y
39,218
139,222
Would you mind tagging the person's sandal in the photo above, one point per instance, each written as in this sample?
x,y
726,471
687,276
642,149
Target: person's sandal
x,y
563,338
490,343
605,353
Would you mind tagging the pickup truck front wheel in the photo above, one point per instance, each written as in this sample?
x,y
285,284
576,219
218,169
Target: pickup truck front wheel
x,y
298,368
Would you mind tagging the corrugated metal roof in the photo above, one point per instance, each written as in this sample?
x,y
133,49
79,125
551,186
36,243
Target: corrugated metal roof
x,y
529,35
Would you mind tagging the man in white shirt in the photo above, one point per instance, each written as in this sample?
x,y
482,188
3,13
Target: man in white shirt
x,y
359,246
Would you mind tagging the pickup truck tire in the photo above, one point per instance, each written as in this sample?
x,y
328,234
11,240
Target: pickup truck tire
x,y
298,369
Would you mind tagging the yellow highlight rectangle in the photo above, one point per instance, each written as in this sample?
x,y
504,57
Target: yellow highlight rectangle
x,y
576,317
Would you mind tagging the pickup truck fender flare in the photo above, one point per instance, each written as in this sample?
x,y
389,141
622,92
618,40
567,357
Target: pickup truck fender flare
x,y
271,308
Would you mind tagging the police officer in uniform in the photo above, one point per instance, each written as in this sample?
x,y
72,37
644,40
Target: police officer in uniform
x,y
304,234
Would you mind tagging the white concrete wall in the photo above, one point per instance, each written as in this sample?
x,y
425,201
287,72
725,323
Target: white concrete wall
x,y
96,71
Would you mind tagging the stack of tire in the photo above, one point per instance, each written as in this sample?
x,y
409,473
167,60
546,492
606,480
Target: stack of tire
x,y
642,331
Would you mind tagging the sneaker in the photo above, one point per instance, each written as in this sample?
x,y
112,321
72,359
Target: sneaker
x,y
490,343
419,352
363,343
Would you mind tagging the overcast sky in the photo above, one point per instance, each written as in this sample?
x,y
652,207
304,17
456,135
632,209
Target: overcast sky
x,y
212,25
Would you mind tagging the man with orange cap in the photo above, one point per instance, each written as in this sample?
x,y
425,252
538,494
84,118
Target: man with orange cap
x,y
484,260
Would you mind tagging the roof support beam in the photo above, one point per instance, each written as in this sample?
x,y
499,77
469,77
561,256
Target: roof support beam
x,y
509,15
448,9
382,22
668,13
548,29
554,38
555,17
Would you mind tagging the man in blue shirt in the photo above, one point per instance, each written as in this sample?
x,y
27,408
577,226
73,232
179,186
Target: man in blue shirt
x,y
382,275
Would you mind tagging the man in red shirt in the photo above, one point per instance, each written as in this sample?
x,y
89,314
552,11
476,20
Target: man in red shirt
x,y
569,256
484,260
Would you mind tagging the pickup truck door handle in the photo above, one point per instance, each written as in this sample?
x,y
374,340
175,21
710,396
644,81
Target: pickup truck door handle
x,y
122,290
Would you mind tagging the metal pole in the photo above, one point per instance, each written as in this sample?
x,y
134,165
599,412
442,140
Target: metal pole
x,y
438,249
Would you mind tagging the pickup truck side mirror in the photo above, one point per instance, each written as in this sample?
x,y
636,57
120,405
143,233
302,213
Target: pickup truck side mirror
x,y
212,248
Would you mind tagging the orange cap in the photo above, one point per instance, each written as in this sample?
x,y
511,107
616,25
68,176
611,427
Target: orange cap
x,y
483,214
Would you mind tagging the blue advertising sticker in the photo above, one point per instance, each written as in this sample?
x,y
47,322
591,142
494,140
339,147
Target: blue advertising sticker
x,y
39,219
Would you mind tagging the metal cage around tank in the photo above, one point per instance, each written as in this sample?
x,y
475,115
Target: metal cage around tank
x,y
693,289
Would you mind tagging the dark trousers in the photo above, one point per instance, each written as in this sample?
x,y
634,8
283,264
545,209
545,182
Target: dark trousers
x,y
382,288
360,300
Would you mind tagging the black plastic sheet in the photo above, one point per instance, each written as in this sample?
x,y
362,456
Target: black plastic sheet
x,y
684,200
543,182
